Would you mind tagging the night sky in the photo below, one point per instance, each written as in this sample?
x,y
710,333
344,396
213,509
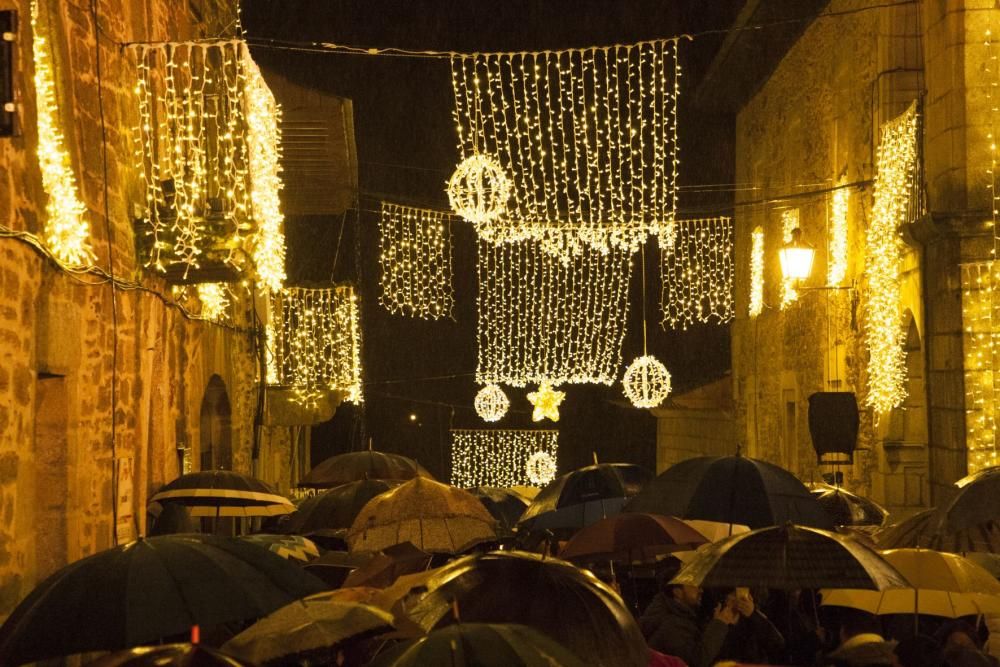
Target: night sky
x,y
407,150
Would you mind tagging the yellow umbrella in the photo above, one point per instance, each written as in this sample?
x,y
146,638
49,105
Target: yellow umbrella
x,y
943,584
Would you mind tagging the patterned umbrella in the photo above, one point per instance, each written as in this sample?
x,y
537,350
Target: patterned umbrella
x,y
731,489
221,493
335,508
435,517
789,557
168,654
631,537
846,508
356,466
292,547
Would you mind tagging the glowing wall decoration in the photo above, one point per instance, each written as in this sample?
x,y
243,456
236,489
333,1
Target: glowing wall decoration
x,y
756,272
836,264
214,298
416,262
895,164
697,272
208,149
66,230
491,403
588,138
980,343
495,457
789,223
542,319
316,340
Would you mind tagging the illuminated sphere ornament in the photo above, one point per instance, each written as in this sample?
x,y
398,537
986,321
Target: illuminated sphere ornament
x,y
540,468
491,403
479,189
546,402
646,382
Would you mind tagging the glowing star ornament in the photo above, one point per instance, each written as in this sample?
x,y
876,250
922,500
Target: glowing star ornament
x,y
491,403
540,468
646,382
479,189
546,402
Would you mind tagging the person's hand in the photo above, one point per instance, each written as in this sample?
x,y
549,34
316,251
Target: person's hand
x,y
744,604
726,614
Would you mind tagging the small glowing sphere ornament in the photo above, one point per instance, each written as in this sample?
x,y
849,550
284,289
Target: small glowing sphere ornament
x,y
479,189
540,468
491,403
546,401
646,382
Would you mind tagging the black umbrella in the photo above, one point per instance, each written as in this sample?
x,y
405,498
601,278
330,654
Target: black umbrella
x,y
223,493
505,505
568,604
583,496
336,507
356,466
846,508
731,489
141,592
188,655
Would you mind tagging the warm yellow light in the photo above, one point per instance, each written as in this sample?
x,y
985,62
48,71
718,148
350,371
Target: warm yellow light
x,y
499,457
646,382
214,298
66,230
789,223
546,402
541,468
836,269
895,168
479,189
491,403
796,259
697,272
415,258
756,272
980,343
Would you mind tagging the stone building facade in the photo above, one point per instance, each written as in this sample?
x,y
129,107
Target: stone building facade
x,y
104,393
808,108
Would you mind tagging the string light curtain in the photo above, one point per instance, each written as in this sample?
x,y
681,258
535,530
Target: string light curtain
x,y
497,457
756,272
208,149
588,138
214,298
895,172
66,230
697,274
836,269
545,320
415,255
980,343
315,340
789,223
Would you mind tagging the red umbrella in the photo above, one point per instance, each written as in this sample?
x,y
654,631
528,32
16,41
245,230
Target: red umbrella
x,y
632,537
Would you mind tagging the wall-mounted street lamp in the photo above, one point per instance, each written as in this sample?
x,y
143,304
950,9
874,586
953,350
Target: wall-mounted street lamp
x,y
796,257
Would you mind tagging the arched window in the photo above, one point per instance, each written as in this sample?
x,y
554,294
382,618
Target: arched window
x,y
216,430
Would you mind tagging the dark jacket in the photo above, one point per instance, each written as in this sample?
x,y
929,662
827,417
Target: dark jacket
x,y
671,627
753,639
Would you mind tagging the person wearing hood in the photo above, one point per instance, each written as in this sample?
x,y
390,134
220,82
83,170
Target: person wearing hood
x,y
862,644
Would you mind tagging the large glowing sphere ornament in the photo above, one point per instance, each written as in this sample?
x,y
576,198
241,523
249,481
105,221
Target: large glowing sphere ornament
x,y
491,403
646,382
546,402
540,468
479,189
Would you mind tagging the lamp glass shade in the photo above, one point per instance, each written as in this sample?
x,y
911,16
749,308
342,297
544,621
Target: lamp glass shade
x,y
796,261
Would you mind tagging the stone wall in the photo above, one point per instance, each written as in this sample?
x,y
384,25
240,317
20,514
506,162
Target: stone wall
x,y
58,341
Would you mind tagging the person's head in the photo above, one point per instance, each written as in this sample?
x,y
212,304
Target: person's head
x,y
689,595
857,623
956,634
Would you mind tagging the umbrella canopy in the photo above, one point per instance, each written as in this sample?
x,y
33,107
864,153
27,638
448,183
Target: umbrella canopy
x,y
731,489
389,565
505,505
846,508
484,645
434,517
292,547
940,584
146,590
631,537
356,466
977,502
193,655
910,532
928,530
336,507
334,566
568,604
789,557
313,628
584,496
221,493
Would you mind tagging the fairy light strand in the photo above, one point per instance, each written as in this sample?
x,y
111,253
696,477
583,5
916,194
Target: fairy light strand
x,y
756,306
214,298
588,139
895,172
497,457
491,403
789,223
316,340
66,229
980,341
836,269
697,273
543,319
415,256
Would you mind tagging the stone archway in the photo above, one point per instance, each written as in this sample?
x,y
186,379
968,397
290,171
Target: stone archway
x,y
215,439
902,481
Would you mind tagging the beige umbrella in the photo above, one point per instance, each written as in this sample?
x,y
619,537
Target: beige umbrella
x,y
942,584
435,517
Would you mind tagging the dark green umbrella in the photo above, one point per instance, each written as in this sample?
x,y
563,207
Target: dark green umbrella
x,y
484,645
144,591
568,604
181,655
336,507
